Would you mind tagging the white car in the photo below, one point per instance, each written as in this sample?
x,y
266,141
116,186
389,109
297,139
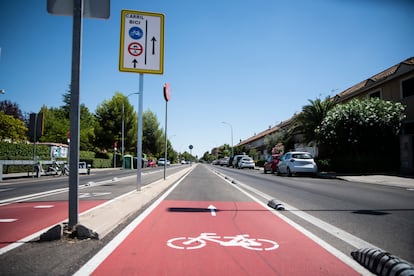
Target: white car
x,y
161,162
236,159
297,162
246,162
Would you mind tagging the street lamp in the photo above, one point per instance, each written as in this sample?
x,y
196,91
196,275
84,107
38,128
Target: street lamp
x,y
231,128
123,127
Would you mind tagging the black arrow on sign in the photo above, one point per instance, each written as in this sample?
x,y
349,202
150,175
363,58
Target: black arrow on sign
x,y
153,45
135,63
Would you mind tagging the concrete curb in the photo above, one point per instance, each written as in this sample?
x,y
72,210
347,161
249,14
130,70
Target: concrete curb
x,y
106,217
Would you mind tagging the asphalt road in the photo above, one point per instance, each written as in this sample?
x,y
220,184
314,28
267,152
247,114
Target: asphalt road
x,y
20,187
344,214
380,215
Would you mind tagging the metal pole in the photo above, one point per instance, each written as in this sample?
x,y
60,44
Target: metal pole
x,y
139,143
34,145
114,157
166,140
74,115
123,129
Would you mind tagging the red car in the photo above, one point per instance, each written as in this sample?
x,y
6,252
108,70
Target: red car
x,y
151,163
271,163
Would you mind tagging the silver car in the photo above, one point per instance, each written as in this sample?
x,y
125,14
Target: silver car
x,y
161,162
246,162
297,162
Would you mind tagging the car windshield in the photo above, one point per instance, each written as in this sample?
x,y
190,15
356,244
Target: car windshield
x,y
302,156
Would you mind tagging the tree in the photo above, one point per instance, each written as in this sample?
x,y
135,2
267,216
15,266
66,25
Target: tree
x,y
56,125
109,123
311,117
11,109
87,129
12,128
153,137
224,151
273,140
363,133
206,157
87,123
188,157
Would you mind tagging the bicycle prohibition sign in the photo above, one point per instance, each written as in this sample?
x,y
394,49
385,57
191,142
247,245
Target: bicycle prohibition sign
x,y
243,240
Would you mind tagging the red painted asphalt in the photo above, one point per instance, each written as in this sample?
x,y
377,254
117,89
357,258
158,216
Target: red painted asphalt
x,y
151,249
31,217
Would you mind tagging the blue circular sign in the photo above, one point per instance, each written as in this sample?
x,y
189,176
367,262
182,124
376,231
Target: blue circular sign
x,y
136,33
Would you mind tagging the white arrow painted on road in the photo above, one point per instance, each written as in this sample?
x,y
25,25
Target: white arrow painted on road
x,y
212,210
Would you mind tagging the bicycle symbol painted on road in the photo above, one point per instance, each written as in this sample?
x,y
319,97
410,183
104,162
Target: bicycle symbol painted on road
x,y
243,240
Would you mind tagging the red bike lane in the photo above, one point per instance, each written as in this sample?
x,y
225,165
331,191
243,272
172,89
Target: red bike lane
x,y
187,238
20,220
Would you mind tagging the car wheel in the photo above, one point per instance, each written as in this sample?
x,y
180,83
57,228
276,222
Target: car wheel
x,y
289,173
264,170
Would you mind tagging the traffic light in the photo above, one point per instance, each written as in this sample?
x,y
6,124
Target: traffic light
x,y
35,126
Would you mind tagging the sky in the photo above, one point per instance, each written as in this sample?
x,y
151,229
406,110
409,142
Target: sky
x,y
250,64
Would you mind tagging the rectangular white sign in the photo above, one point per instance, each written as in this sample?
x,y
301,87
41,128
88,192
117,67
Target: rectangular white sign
x,y
142,42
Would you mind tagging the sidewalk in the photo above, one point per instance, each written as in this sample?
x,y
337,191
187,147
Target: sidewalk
x,y
398,181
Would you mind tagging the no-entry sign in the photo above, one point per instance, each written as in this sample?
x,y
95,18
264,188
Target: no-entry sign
x,y
142,42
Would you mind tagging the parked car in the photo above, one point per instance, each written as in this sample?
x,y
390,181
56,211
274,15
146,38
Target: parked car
x,y
246,162
271,163
236,160
297,162
162,162
224,161
151,163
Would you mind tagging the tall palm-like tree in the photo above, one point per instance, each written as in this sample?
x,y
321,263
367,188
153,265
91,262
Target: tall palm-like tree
x,y
311,117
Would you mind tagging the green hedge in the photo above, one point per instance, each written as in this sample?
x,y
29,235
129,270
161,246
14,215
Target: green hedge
x,y
11,151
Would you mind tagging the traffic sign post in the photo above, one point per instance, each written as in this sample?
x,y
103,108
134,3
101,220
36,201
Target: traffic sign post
x,y
141,51
167,97
142,42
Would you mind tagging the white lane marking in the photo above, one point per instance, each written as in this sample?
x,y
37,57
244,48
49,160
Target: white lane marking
x,y
7,220
32,196
88,195
43,206
333,230
96,260
57,191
